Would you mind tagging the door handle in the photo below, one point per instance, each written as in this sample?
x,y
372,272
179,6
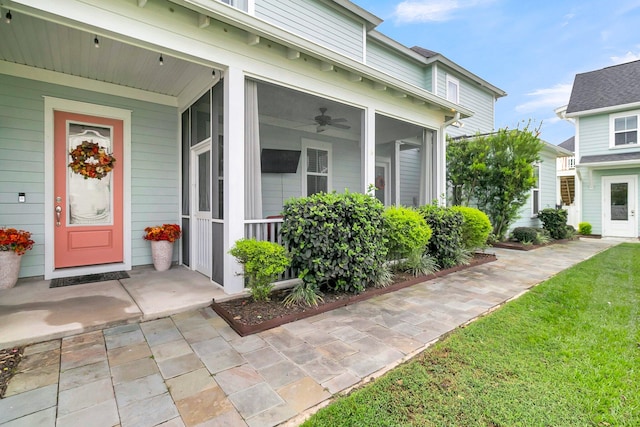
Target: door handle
x,y
58,212
633,212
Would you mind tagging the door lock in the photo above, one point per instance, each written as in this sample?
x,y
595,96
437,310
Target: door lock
x,y
58,212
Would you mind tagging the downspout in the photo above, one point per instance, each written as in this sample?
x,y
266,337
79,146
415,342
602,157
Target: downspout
x,y
442,161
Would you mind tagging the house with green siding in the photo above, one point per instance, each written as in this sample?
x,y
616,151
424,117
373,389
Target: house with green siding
x,y
116,115
605,107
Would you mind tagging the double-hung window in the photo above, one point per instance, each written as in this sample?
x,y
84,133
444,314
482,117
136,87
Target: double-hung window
x,y
453,89
535,191
317,168
624,129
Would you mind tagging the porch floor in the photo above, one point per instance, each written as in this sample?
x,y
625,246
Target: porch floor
x,y
32,312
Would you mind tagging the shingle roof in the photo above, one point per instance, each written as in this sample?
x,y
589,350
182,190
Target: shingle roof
x,y
610,158
569,144
608,87
424,52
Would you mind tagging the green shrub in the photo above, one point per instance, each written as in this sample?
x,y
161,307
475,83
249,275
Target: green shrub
x,y
445,244
335,240
476,227
406,230
525,234
555,222
262,262
584,228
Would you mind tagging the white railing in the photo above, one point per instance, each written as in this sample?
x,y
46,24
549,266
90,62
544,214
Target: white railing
x,y
566,163
267,230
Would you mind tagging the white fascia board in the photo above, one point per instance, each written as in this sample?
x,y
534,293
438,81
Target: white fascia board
x,y
371,20
558,151
611,109
241,20
609,165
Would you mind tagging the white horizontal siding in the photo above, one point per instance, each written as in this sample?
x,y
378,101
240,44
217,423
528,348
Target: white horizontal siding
x,y
396,65
317,22
154,172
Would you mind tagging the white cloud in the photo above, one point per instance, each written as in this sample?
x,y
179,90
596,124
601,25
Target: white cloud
x,y
432,10
546,99
627,57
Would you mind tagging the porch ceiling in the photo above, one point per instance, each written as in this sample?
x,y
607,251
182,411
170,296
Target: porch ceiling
x,y
50,46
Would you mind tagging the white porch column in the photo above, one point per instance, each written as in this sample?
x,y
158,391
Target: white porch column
x,y
369,152
233,175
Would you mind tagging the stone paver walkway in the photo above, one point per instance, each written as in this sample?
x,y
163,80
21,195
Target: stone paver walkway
x,y
192,369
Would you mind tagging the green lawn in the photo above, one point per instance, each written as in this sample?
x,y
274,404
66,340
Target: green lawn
x,y
565,354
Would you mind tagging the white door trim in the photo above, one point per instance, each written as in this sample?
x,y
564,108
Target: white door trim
x,y
632,229
58,104
201,257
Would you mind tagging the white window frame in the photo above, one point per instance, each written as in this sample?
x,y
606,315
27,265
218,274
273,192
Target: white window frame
x,y
238,4
612,128
536,192
452,80
316,145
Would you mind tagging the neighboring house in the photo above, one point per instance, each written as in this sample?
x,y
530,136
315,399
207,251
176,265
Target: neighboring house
x,y
545,194
566,171
605,107
216,113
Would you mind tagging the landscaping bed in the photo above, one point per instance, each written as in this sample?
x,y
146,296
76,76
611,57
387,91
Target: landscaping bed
x,y
248,317
9,360
518,246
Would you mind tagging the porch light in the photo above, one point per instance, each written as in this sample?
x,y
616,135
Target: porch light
x,y
7,17
161,60
213,74
96,42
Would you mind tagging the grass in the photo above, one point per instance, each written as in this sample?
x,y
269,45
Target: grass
x,y
565,354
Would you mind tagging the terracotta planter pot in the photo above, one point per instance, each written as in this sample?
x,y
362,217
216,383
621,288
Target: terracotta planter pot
x,y
162,254
9,269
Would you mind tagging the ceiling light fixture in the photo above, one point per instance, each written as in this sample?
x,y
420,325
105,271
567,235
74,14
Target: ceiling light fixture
x,y
7,17
96,42
161,60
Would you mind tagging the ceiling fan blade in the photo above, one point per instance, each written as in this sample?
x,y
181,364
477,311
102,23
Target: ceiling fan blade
x,y
340,120
339,126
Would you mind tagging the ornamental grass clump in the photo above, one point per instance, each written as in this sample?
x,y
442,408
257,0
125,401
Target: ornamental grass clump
x,y
263,262
170,232
18,241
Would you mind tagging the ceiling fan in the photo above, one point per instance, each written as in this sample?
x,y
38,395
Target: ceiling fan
x,y
324,120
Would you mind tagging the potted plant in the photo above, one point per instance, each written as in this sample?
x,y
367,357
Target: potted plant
x,y
13,244
162,238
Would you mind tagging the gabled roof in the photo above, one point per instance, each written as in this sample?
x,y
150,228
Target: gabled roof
x,y
569,144
609,87
432,56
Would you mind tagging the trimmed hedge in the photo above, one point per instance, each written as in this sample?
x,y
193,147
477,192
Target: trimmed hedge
x,y
525,234
584,228
476,227
406,230
335,240
446,244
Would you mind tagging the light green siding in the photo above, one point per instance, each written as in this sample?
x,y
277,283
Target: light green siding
x,y
317,22
594,135
154,158
548,192
396,65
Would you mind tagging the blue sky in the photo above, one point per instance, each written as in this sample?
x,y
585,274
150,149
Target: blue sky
x,y
532,49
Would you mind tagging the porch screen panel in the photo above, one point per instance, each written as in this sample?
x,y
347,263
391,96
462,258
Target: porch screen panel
x,y
201,119
185,242
185,162
217,151
217,269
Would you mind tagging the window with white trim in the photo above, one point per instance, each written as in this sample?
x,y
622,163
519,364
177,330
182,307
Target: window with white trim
x,y
239,4
535,191
453,89
317,168
624,129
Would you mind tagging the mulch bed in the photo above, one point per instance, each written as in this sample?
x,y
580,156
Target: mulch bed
x,y
248,317
512,244
9,360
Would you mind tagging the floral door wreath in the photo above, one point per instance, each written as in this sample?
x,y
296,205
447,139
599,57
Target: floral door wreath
x,y
380,182
91,160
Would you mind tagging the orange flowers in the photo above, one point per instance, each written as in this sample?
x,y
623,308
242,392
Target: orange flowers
x,y
170,232
18,241
91,161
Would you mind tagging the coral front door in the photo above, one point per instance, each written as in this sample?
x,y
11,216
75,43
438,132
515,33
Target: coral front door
x,y
88,190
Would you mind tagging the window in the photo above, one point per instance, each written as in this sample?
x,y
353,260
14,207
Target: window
x,y
317,168
535,191
625,130
239,4
453,89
